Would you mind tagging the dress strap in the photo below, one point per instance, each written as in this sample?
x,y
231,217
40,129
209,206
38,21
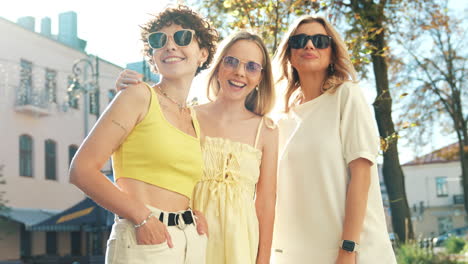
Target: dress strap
x,y
258,132
196,125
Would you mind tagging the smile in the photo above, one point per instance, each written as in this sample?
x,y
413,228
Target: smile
x,y
237,84
172,59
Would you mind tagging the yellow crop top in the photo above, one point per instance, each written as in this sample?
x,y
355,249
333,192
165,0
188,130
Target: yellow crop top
x,y
158,153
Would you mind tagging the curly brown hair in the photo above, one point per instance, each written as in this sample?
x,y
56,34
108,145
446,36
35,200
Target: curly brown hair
x,y
206,34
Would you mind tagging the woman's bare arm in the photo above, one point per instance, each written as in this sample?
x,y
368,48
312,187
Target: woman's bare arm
x,y
126,110
266,194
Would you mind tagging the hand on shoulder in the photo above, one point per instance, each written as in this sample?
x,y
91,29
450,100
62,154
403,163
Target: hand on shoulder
x,y
270,123
269,132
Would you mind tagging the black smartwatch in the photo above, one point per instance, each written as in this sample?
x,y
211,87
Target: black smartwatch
x,y
349,246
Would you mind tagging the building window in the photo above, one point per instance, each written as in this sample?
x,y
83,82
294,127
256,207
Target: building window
x,y
94,103
445,224
50,160
26,156
72,93
25,90
51,243
51,86
76,243
441,187
72,149
458,199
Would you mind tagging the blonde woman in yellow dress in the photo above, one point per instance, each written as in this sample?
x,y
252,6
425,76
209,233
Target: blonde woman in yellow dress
x,y
237,192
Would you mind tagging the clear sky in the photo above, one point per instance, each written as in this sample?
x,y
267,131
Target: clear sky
x,y
111,29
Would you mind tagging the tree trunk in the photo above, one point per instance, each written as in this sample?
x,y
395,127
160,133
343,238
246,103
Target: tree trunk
x,y
392,172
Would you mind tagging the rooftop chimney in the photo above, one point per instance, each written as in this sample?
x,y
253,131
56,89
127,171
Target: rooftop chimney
x,y
27,22
46,23
68,29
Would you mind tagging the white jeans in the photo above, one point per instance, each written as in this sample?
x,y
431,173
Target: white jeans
x,y
189,246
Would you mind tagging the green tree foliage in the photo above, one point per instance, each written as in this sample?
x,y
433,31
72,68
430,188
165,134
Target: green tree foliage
x,y
435,76
269,18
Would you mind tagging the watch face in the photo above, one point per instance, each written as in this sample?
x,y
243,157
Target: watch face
x,y
348,245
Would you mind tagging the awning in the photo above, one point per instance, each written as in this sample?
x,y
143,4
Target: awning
x,y
27,216
85,215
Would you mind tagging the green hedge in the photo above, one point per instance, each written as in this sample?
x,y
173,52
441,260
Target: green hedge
x,y
454,245
411,253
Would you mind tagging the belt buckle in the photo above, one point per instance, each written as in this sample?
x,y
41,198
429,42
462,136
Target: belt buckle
x,y
180,222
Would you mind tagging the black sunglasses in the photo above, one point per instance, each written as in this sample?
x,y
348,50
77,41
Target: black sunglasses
x,y
251,67
181,38
300,41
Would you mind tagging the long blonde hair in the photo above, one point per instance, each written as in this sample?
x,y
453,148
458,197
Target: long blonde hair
x,y
259,101
344,69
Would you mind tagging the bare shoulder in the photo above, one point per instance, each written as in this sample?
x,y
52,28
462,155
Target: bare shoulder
x,y
138,94
131,103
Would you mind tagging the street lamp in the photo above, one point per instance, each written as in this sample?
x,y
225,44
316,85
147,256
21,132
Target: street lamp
x,y
85,85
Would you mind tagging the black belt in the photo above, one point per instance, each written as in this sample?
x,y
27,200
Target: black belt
x,y
173,219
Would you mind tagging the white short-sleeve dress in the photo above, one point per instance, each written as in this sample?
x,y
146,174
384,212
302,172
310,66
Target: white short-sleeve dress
x,y
317,142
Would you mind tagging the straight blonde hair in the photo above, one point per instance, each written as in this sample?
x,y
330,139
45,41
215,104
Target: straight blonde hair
x,y
344,69
259,101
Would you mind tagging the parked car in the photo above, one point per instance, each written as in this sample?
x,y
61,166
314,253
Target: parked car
x,y
440,240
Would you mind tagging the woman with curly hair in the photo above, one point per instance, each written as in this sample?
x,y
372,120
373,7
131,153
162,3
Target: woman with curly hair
x,y
154,140
237,192
329,203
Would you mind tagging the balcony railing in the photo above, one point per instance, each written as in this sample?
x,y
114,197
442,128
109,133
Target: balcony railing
x,y
32,102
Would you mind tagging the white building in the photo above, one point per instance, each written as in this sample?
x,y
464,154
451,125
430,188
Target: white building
x,y
435,193
41,127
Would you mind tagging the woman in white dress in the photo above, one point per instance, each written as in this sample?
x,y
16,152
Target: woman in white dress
x,y
329,206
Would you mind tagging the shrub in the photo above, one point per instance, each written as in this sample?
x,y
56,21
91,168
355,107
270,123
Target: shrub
x,y
465,249
411,253
454,244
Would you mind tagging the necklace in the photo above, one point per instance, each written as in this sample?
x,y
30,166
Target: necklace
x,y
184,120
181,106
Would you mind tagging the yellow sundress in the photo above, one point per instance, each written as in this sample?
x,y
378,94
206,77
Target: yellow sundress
x,y
226,196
